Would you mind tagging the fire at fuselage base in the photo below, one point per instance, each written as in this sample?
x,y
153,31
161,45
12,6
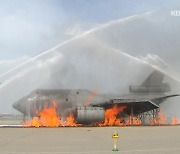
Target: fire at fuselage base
x,y
68,107
113,116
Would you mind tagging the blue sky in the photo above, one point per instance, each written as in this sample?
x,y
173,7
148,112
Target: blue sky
x,y
30,27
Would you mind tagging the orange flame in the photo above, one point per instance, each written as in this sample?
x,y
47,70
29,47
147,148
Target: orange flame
x,y
137,121
133,121
36,122
48,118
70,120
159,120
174,121
111,116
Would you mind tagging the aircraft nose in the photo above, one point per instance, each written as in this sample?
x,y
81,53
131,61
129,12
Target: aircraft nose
x,y
24,105
20,105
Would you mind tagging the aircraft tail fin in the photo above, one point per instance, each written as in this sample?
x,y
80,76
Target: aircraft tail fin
x,y
153,84
154,79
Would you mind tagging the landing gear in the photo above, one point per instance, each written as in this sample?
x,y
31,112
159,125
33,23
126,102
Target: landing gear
x,y
148,117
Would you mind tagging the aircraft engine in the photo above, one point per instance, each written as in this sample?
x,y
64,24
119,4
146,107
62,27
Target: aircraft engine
x,y
87,115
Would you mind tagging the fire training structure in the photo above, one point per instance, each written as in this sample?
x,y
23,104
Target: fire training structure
x,y
101,109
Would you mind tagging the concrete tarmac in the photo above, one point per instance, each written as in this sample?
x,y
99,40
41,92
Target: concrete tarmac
x,y
93,140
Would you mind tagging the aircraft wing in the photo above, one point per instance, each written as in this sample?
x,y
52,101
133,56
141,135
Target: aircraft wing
x,y
139,105
169,96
